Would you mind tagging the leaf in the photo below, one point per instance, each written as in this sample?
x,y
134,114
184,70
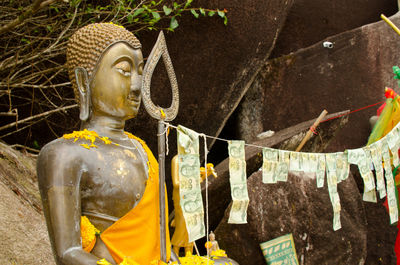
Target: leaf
x,y
221,13
176,5
211,13
167,10
156,16
188,3
174,23
225,20
138,12
130,18
195,14
202,11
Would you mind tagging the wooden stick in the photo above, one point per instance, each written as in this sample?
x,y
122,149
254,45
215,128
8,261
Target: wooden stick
x,y
390,23
310,131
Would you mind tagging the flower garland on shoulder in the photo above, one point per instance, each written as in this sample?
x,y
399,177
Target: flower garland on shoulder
x,y
87,135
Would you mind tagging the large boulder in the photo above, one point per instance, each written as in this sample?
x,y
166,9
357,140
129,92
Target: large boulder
x,y
23,232
351,75
300,208
310,21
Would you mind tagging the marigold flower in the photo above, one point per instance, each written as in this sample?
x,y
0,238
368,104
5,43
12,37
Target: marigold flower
x,y
219,253
208,244
88,234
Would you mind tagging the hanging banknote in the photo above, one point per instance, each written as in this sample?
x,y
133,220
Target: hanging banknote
x,y
283,165
391,193
375,154
238,181
304,162
189,178
393,143
332,180
320,175
312,162
269,167
294,164
342,166
358,157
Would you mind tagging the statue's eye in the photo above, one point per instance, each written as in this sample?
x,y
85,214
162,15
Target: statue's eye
x,y
124,68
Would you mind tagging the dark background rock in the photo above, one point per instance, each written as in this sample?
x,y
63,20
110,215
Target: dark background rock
x,y
300,208
214,63
310,21
351,75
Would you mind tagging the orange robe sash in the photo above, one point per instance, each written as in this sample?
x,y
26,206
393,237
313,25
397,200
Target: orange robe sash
x,y
137,234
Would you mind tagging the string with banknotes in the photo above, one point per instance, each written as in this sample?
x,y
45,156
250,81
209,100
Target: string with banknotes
x,y
335,165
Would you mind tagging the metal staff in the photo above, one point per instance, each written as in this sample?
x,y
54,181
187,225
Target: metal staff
x,y
160,50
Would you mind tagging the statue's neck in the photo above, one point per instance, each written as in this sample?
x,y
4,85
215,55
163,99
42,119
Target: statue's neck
x,y
106,126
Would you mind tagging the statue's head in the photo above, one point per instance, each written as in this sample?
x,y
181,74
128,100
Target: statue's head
x,y
105,65
211,236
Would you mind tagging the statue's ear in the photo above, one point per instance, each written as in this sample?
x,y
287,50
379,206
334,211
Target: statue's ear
x,y
82,82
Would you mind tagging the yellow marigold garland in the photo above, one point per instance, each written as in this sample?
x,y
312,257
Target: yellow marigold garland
x,y
87,135
219,253
88,234
188,260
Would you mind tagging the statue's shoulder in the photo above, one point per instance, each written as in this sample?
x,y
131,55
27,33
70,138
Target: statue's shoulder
x,y
61,150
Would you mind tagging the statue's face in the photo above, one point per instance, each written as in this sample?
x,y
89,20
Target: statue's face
x,y
115,88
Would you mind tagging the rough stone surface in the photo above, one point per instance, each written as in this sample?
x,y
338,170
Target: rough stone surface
x,y
300,208
310,21
18,172
214,64
23,232
352,75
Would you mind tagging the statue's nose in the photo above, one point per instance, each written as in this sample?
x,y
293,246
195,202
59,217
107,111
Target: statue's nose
x,y
136,83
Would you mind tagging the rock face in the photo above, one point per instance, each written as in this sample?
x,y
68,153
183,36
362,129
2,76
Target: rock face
x,y
351,75
23,232
310,21
214,63
300,208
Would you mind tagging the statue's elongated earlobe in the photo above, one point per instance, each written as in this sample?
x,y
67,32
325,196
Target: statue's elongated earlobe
x,y
82,82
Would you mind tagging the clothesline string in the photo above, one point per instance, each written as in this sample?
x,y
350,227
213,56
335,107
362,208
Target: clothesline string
x,y
258,146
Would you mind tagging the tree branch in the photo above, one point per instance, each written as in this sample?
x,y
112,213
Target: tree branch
x,y
37,116
37,5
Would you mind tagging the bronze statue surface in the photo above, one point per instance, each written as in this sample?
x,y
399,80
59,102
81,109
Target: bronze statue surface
x,y
102,178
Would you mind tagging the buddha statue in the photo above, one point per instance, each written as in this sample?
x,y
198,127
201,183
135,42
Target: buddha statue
x,y
102,172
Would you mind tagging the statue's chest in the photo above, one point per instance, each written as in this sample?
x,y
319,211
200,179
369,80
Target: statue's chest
x,y
114,181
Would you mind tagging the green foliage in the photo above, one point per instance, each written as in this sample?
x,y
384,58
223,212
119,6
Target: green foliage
x,y
144,14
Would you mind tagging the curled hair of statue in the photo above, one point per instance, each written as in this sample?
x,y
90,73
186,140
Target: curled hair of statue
x,y
87,45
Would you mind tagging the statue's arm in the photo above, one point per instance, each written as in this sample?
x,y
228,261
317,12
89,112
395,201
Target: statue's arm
x,y
59,172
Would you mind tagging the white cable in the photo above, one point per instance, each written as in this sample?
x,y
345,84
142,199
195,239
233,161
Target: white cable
x,y
205,167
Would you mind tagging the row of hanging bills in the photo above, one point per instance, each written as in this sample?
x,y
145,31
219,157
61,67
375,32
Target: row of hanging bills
x,y
377,157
